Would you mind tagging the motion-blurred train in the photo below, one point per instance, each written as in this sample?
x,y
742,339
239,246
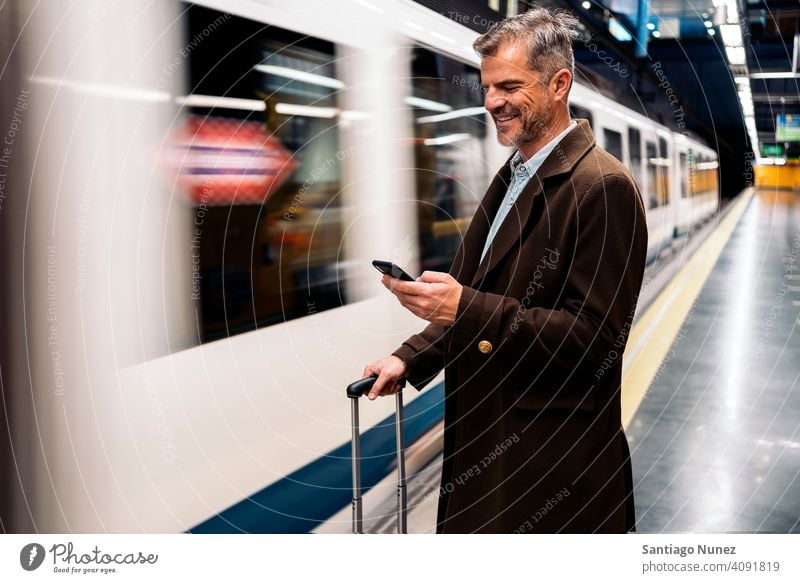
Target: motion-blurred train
x,y
211,184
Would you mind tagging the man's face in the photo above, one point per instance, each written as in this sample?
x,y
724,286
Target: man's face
x,y
517,98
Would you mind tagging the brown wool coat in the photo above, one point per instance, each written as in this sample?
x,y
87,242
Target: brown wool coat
x,y
533,436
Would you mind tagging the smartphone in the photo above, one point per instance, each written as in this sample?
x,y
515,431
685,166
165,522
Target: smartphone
x,y
392,270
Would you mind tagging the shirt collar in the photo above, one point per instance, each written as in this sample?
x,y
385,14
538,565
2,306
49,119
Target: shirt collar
x,y
531,166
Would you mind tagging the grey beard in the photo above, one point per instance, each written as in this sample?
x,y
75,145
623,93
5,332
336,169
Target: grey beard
x,y
533,129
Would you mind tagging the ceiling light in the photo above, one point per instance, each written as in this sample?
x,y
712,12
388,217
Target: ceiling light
x,y
732,11
449,139
775,75
212,101
731,35
427,104
300,76
736,55
466,112
305,110
104,90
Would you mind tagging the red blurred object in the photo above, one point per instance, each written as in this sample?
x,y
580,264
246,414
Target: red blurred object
x,y
228,161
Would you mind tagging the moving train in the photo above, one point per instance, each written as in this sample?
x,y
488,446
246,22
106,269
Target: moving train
x,y
227,171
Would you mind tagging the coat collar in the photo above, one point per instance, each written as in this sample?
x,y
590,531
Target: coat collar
x,y
575,145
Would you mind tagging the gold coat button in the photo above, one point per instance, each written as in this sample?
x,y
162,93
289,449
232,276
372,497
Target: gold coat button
x,y
485,346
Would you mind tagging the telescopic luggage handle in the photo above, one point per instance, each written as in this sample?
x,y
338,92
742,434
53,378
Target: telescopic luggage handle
x,y
354,392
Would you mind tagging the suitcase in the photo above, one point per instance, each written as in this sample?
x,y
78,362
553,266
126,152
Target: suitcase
x,y
354,392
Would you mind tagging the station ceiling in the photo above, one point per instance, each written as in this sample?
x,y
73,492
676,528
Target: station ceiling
x,y
734,94
748,82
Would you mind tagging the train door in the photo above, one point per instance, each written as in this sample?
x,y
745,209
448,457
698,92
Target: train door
x,y
682,191
660,219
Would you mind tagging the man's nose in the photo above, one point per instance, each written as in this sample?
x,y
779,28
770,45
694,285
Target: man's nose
x,y
493,100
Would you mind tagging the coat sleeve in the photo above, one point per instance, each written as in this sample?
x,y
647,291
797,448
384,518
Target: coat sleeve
x,y
596,305
423,354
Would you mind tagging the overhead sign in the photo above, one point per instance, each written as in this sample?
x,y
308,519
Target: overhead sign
x,y
771,150
787,128
228,161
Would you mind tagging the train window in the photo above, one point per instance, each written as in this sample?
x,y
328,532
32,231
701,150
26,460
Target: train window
x,y
613,143
449,152
578,112
703,175
635,154
657,177
266,252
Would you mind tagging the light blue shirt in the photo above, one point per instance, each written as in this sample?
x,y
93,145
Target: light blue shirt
x,y
521,173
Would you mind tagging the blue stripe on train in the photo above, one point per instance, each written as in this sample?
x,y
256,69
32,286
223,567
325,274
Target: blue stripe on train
x,y
302,500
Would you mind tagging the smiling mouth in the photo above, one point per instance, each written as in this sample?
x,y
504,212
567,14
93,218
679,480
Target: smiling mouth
x,y
503,118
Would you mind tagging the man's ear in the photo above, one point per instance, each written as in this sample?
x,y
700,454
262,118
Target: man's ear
x,y
560,84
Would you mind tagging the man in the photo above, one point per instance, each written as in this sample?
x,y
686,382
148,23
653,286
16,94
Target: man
x,y
532,319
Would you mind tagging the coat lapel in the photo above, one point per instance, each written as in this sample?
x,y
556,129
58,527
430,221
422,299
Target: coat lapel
x,y
465,262
561,160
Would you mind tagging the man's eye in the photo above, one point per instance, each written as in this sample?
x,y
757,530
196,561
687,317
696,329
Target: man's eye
x,y
512,89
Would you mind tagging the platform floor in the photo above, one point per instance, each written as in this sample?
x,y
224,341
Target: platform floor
x,y
715,439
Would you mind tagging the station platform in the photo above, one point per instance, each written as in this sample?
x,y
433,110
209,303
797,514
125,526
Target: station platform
x,y
711,403
716,439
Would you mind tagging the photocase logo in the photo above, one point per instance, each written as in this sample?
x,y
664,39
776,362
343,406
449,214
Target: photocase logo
x,y
31,556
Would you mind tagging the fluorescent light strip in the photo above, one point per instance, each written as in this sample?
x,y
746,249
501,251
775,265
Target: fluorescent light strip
x,y
300,76
467,112
221,102
449,139
731,35
732,11
305,110
427,104
103,90
735,55
775,75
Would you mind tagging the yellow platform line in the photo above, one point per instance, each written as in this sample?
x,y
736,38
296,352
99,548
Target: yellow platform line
x,y
653,335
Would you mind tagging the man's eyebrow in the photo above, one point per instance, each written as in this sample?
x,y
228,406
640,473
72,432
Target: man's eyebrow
x,y
506,82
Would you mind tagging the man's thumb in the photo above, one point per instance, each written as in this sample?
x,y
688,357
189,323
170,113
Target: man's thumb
x,y
433,276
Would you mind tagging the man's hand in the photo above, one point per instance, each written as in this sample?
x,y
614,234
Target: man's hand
x,y
389,370
434,296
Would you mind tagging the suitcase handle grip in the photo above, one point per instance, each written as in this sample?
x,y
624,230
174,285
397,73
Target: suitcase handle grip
x,y
362,386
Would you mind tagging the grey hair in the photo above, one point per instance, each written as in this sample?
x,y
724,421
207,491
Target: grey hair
x,y
548,35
